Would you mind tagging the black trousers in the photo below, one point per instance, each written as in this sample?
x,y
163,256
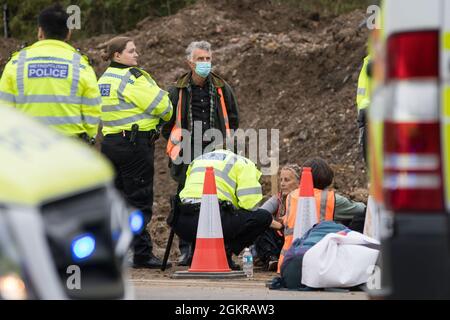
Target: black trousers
x,y
362,125
269,244
134,165
240,227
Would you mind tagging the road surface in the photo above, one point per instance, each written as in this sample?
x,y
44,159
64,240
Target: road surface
x,y
155,288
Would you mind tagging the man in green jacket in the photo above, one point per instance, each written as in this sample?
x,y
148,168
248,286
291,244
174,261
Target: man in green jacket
x,y
202,100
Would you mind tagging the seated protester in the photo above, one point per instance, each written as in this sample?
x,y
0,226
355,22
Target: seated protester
x,y
268,246
239,192
330,205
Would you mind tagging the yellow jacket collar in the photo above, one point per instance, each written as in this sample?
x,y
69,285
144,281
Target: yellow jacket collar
x,y
52,42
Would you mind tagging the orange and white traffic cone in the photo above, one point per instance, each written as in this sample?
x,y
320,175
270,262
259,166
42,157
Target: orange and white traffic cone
x,y
209,260
209,254
306,216
306,205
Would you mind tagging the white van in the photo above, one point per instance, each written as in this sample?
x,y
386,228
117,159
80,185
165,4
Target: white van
x,y
409,145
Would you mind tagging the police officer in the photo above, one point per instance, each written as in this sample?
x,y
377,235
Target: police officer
x,y
362,102
52,82
239,192
132,108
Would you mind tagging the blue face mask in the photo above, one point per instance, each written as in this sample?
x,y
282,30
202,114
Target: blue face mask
x,y
203,69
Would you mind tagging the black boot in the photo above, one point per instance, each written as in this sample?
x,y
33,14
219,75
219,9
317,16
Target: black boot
x,y
185,258
231,264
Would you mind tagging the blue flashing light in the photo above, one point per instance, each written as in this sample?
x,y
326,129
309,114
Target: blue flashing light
x,y
83,246
136,221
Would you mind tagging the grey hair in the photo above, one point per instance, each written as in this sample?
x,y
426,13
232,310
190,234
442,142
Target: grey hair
x,y
203,45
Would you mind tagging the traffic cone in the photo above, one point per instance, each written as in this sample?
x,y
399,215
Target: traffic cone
x,y
306,205
209,260
306,216
209,254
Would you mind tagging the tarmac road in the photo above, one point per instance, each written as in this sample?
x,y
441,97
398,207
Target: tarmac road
x,y
183,289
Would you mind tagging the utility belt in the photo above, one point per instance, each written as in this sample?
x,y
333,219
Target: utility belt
x,y
134,135
85,138
195,204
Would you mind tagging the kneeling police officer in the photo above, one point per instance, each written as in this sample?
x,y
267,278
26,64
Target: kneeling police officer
x,y
238,191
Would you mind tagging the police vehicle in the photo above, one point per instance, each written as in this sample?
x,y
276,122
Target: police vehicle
x,y
64,231
409,147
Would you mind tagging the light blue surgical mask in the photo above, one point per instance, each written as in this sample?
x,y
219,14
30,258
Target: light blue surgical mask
x,y
203,69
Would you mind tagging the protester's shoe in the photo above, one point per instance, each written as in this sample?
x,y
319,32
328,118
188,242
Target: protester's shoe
x,y
185,260
231,263
273,264
151,263
257,262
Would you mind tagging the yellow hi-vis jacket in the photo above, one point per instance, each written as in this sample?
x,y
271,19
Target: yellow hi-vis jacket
x,y
237,179
363,93
40,165
53,83
130,95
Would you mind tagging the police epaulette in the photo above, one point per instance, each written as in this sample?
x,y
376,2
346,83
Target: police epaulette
x,y
136,72
13,54
23,46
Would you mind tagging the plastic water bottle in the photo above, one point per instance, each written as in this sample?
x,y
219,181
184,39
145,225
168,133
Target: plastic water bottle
x,y
247,264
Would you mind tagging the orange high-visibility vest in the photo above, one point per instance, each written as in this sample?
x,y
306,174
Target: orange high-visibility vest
x,y
173,144
325,212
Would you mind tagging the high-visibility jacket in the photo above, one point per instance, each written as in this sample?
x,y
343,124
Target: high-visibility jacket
x,y
363,93
173,147
325,201
237,179
52,82
129,96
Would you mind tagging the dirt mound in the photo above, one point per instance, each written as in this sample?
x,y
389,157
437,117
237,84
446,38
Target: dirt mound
x,y
7,47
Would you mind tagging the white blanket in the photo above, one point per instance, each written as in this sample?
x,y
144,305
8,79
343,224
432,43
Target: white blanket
x,y
340,260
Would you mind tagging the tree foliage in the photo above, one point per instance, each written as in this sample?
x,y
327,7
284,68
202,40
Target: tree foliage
x,y
97,16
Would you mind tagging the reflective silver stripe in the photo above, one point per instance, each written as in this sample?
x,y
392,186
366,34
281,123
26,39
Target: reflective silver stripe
x,y
361,91
229,165
121,89
118,107
219,173
288,231
283,252
249,191
169,107
117,76
20,72
226,194
131,119
7,96
46,98
75,74
122,85
323,204
174,141
155,102
199,170
68,120
228,180
60,120
91,101
227,169
90,120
